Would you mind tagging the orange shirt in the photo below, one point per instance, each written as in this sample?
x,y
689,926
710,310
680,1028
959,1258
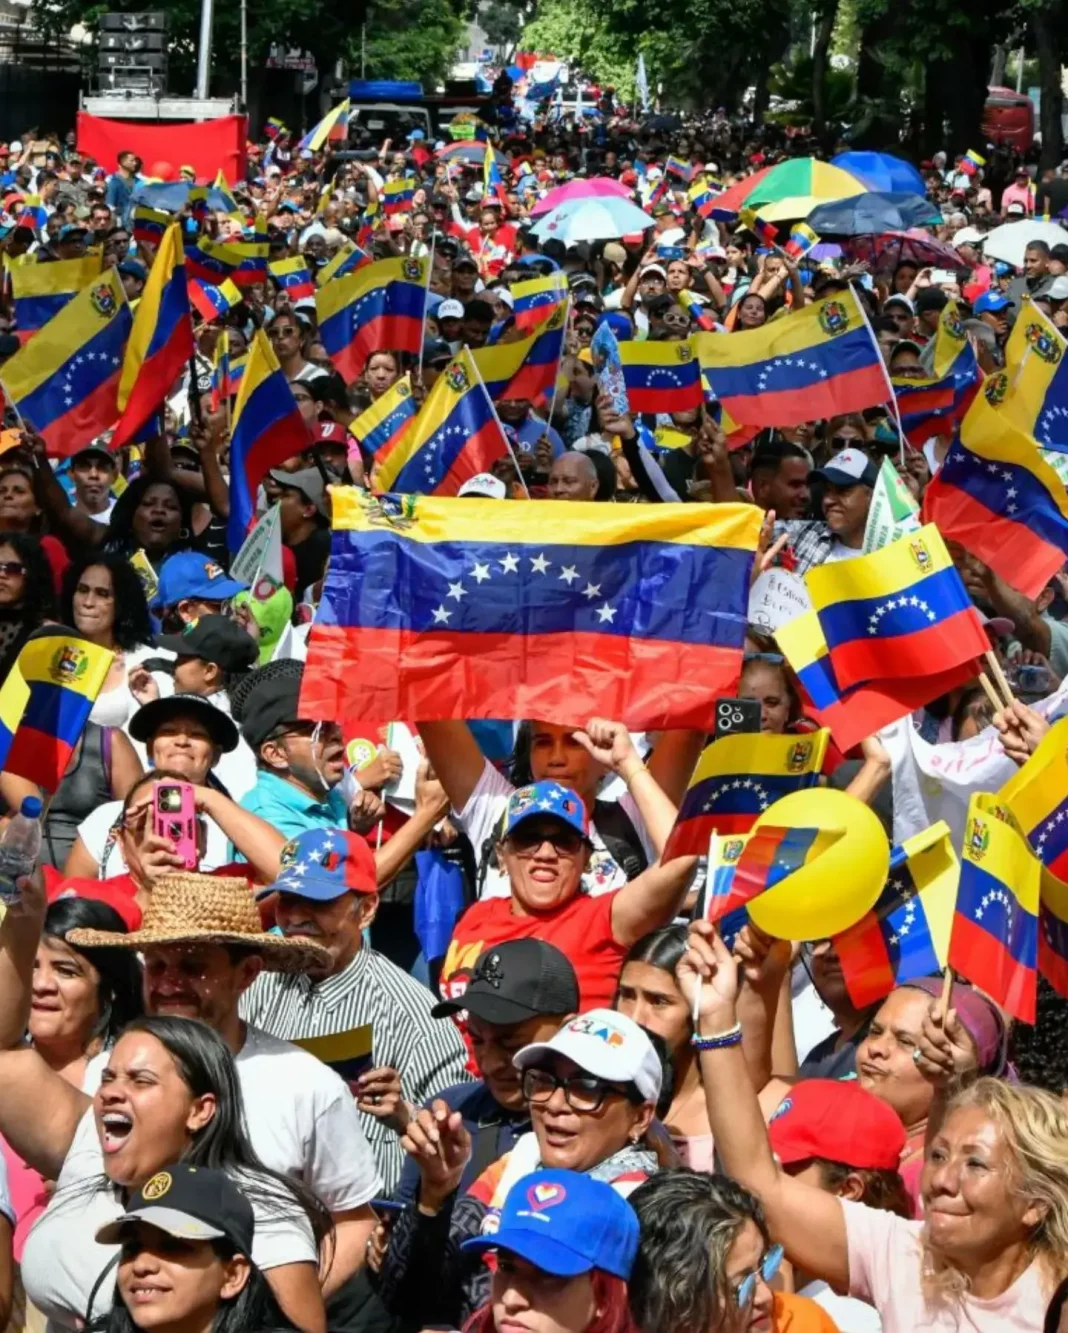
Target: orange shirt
x,y
798,1314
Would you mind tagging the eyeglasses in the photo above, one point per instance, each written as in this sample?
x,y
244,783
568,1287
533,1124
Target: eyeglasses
x,y
775,659
565,841
768,1267
582,1092
282,331
11,568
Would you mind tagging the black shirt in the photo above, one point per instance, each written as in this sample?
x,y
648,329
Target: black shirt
x,y
311,556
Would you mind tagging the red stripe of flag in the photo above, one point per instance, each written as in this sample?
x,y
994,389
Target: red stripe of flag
x,y
986,961
38,757
646,398
400,333
91,416
865,963
916,654
850,391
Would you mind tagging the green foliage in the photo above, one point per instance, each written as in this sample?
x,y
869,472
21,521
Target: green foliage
x,y
792,81
502,22
411,39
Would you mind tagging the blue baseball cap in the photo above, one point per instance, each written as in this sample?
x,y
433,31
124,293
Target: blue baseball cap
x,y
546,800
323,864
190,574
565,1224
992,302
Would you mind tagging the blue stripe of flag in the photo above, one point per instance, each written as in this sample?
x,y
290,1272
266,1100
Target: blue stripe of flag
x,y
919,606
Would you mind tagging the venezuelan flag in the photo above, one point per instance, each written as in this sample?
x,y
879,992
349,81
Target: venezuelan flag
x,y
995,926
433,609
526,368
381,427
748,866
334,125
65,381
197,203
971,162
397,196
224,380
696,309
492,181
293,278
380,305
819,362
222,186
537,299
1052,932
900,612
161,342
13,695
801,240
347,260
931,405
32,213
685,171
149,224
1034,391
372,216
764,230
1037,796
64,674
658,192
40,291
701,198
455,436
274,127
906,934
267,429
736,779
854,714
349,1054
998,497
253,250
212,262
661,376
212,302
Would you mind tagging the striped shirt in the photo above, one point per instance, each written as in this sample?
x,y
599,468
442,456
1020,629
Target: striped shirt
x,y
427,1053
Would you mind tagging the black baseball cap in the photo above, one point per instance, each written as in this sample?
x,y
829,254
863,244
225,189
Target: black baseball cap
x,y
267,699
95,451
214,639
192,1203
144,724
514,981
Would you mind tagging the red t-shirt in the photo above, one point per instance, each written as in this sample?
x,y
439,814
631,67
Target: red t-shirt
x,y
118,891
581,930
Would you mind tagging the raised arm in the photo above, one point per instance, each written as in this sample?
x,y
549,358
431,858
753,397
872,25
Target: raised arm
x,y
808,1222
610,744
455,758
258,842
651,900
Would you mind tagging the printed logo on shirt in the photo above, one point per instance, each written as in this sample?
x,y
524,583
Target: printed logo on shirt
x,y
787,1104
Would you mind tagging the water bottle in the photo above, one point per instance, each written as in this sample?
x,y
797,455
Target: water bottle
x,y
19,848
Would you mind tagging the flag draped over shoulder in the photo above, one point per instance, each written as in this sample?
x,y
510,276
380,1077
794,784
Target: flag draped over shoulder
x,y
995,926
819,362
161,341
377,305
736,779
998,497
40,291
437,610
65,380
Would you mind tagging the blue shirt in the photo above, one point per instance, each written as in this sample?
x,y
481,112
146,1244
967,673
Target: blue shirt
x,y
531,431
119,196
292,810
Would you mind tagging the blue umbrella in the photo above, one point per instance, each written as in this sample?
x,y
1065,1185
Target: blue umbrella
x,y
872,214
172,197
880,171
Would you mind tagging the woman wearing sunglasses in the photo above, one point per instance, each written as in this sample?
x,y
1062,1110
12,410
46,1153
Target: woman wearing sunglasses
x,y
592,1091
287,339
25,594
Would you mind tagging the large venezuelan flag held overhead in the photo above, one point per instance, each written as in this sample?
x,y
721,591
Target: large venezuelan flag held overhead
x,y
819,362
378,305
433,609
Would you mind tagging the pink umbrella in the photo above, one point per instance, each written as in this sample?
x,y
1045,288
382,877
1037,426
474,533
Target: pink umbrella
x,y
597,187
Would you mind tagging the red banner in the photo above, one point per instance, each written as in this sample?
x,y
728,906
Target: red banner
x,y
164,146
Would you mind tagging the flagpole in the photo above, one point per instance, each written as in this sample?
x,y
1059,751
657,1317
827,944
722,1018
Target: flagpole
x,y
556,380
426,302
500,425
886,375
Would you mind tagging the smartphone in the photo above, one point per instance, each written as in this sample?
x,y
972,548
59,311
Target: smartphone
x,y
943,275
386,1210
174,816
735,715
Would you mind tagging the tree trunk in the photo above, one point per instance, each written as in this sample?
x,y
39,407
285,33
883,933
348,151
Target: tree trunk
x,y
966,74
1045,26
820,50
997,74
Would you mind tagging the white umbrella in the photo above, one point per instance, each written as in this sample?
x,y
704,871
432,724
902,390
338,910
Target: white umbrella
x,y
592,220
1009,241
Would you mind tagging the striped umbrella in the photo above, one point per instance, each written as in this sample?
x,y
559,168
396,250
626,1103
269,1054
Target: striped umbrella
x,y
793,189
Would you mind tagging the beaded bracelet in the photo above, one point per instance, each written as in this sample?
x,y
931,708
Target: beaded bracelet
x,y
732,1037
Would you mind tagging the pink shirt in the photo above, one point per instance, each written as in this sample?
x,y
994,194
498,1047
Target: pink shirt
x,y
1018,194
884,1269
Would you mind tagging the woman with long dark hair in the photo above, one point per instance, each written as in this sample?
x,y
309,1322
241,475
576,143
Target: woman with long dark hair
x,y
26,595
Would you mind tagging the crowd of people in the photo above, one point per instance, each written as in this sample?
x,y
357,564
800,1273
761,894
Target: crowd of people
x,y
240,1088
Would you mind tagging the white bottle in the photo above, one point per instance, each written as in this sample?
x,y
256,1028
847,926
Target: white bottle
x,y
19,848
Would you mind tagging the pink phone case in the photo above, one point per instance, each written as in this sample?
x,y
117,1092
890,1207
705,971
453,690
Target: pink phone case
x,y
174,816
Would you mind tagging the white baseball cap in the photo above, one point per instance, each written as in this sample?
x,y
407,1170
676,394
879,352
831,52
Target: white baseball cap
x,y
608,1045
850,468
484,484
503,295
969,236
450,309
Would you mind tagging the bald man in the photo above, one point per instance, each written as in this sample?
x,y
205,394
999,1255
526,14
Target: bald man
x,y
573,477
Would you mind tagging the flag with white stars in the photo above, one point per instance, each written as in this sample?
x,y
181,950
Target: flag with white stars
x,y
65,380
1037,795
901,612
381,426
527,367
820,361
1036,369
906,934
994,943
737,779
443,608
1000,499
537,299
1053,934
377,305
931,405
661,376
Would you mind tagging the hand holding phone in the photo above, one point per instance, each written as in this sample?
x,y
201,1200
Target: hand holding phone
x,y
174,816
736,715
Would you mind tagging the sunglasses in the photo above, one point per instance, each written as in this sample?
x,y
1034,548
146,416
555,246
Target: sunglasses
x,y
282,331
768,1267
775,659
565,841
11,568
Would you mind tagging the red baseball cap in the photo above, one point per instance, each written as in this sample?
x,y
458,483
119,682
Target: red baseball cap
x,y
839,1122
330,432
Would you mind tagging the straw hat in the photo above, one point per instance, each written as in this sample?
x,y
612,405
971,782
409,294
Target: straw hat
x,y
187,908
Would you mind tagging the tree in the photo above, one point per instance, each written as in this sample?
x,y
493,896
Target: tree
x,y
502,22
411,39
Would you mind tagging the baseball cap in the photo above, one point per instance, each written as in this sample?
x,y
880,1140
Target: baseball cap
x,y
900,299
214,639
450,309
330,432
484,484
464,261
849,468
133,268
969,236
307,480
435,350
95,451
1015,211
70,230
990,302
516,980
565,1224
1058,288
324,864
192,1203
504,295
606,1044
997,625
615,253
190,574
840,1122
653,269
148,719
546,800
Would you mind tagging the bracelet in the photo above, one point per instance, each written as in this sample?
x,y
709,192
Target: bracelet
x,y
631,774
720,1040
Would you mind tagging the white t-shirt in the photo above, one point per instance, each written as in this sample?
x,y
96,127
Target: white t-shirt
x,y
849,1314
6,1209
107,853
481,817
839,551
61,1261
302,1119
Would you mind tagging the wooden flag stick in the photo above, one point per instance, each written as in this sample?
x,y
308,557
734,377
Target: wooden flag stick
x,y
946,998
991,693
999,676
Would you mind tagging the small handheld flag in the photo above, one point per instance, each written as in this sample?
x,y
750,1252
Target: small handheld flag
x,y
802,239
